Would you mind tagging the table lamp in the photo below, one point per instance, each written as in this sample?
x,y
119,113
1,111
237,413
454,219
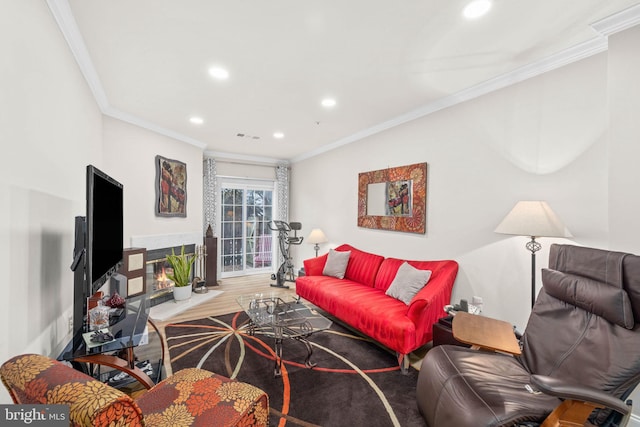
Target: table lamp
x,y
533,219
316,237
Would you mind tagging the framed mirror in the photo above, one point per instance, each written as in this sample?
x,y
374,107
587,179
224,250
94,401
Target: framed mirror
x,y
393,199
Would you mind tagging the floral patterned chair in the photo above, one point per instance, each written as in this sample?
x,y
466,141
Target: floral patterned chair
x,y
190,397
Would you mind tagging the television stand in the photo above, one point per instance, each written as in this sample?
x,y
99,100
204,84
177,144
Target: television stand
x,y
118,353
115,362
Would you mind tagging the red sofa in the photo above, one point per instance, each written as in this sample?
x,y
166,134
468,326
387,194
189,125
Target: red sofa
x,y
359,300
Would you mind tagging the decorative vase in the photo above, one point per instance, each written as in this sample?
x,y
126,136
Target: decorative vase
x,y
182,293
99,317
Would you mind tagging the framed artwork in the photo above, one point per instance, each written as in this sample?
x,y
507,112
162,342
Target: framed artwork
x,y
398,197
171,187
393,199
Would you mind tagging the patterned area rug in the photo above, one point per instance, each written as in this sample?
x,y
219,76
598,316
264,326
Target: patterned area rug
x,y
354,383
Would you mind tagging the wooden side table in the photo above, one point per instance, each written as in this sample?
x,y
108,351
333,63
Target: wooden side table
x,y
485,333
442,333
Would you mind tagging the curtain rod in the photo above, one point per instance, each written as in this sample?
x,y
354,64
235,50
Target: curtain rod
x,y
246,178
248,163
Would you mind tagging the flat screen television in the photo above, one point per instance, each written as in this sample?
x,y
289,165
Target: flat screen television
x,y
98,242
104,229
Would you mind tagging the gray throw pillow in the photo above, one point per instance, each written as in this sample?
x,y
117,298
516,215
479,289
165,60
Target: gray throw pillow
x,y
408,281
336,263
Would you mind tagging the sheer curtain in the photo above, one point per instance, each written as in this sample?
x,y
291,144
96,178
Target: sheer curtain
x,y
282,181
210,195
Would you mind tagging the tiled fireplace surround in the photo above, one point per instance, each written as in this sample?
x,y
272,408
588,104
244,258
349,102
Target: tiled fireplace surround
x,y
157,247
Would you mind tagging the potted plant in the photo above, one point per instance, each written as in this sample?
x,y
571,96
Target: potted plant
x,y
181,277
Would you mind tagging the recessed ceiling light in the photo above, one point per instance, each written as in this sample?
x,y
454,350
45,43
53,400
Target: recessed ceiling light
x,y
278,135
219,73
196,120
328,102
476,9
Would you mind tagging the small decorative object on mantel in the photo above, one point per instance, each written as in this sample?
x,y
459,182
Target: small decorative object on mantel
x,y
171,187
181,265
393,198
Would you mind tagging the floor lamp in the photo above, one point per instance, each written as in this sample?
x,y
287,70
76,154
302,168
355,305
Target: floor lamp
x,y
316,237
534,219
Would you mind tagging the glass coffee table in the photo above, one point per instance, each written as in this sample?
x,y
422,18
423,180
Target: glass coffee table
x,y
285,317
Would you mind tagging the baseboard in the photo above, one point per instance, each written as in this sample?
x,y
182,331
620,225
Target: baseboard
x,y
634,421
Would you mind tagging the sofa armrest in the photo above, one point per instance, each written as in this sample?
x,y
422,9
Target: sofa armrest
x,y
427,306
315,266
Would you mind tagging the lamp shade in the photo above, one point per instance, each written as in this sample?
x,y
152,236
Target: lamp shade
x,y
317,236
532,218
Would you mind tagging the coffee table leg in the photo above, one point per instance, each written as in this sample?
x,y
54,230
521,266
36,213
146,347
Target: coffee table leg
x,y
307,361
277,372
277,348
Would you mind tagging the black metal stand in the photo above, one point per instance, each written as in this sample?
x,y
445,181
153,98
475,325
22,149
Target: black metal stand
x,y
534,247
285,241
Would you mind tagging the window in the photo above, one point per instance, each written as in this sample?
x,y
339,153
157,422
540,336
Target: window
x,y
246,239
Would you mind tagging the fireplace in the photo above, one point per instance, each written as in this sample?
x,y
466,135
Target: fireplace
x,y
159,286
157,248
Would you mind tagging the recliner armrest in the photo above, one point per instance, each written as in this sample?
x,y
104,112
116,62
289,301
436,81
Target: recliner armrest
x,y
575,391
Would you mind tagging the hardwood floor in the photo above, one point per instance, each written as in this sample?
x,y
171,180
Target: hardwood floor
x,y
226,302
222,304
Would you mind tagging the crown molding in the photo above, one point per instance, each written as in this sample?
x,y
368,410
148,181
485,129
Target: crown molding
x,y
605,27
565,57
618,21
135,120
67,23
63,16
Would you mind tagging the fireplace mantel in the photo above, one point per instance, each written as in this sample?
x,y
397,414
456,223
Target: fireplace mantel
x,y
159,241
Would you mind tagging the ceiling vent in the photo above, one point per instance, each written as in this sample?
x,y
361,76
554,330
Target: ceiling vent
x,y
244,135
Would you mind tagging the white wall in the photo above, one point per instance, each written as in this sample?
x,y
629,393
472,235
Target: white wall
x,y
568,137
541,139
50,129
130,157
624,173
235,169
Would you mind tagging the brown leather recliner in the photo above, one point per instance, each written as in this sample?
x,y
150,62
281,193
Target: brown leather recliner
x,y
581,343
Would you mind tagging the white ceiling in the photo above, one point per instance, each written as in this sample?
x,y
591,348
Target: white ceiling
x,y
384,62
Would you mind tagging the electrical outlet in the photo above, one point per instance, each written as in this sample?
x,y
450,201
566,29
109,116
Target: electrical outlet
x,y
70,324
